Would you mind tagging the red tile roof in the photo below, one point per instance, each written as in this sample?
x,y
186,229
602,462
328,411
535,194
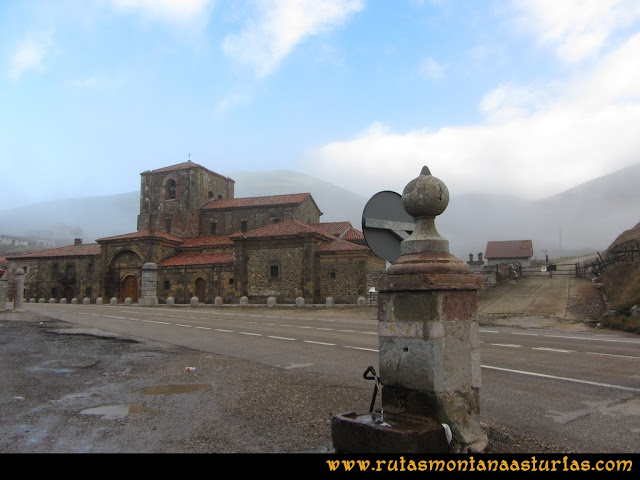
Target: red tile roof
x,y
268,201
189,259
509,249
287,228
184,166
68,251
143,234
206,241
353,235
337,229
340,245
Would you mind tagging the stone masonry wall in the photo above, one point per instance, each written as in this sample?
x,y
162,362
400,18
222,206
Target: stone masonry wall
x,y
194,187
181,283
344,277
230,221
288,286
44,280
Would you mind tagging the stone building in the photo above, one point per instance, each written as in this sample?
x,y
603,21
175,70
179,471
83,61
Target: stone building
x,y
208,244
65,272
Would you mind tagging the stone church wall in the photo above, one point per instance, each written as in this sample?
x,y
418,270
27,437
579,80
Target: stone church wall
x,y
179,215
230,221
180,283
63,277
344,277
288,285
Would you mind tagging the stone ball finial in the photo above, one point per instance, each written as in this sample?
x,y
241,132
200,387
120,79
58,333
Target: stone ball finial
x,y
425,196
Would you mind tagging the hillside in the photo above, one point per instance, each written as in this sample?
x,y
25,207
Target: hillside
x,y
581,220
620,284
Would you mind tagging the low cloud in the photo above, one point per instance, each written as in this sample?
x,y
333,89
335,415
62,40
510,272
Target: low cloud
x,y
535,141
576,29
280,25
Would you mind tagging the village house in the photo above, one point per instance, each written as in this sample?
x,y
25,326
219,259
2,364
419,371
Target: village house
x,y
208,244
509,251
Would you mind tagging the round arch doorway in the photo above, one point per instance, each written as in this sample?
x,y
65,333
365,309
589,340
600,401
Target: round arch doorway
x,y
129,288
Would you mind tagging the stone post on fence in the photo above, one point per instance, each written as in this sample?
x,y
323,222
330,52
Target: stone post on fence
x,y
3,294
17,298
429,353
149,285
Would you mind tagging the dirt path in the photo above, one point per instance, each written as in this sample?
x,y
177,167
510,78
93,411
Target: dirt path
x,y
541,301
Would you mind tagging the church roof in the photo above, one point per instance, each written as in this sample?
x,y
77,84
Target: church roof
x,y
340,245
183,166
188,259
337,229
353,235
67,251
268,201
287,228
143,234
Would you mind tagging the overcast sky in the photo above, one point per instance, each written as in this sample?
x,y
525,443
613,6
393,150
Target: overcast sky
x,y
524,97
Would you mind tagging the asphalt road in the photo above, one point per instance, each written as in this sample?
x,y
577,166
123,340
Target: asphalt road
x,y
576,389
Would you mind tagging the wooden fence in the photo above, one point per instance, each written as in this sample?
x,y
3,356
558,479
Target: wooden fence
x,y
600,264
597,266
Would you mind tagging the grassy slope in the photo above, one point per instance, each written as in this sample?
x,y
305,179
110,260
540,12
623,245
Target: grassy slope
x,y
621,285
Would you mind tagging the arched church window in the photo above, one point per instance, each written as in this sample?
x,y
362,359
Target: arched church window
x,y
210,195
171,189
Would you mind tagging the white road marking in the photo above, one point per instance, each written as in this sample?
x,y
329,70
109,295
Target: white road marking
x,y
528,334
566,379
614,355
182,325
111,316
249,333
362,348
558,350
616,340
204,328
319,343
511,345
490,331
280,338
221,330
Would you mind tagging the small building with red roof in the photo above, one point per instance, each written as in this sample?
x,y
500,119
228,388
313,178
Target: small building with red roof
x,y
509,251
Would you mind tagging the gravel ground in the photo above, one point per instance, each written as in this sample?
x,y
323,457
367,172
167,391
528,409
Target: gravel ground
x,y
71,389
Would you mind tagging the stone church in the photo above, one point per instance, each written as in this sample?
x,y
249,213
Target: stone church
x,y
207,244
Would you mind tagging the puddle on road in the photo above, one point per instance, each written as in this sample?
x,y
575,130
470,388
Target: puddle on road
x,y
172,389
114,412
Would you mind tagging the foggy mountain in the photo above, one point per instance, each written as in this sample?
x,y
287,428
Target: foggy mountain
x,y
580,220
